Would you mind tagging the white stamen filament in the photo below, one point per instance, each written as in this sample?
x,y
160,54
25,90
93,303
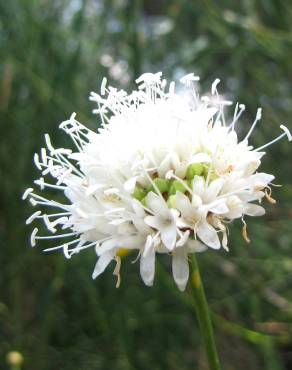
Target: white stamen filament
x,y
27,193
60,236
237,115
286,133
32,217
258,117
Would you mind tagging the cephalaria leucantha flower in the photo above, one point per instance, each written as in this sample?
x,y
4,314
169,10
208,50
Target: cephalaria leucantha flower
x,y
164,173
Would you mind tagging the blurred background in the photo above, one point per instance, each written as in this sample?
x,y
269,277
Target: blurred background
x,y
52,54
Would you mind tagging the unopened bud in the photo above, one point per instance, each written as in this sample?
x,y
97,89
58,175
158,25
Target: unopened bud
x,y
195,169
176,186
139,193
163,185
171,201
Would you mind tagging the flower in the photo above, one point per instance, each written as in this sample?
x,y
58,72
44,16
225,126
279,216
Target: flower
x,y
164,173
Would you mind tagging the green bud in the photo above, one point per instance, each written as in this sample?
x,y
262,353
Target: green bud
x,y
163,185
195,169
139,193
176,186
171,201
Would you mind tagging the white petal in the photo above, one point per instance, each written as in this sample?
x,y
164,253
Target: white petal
x,y
148,245
183,204
196,200
92,189
180,268
138,209
181,170
184,238
168,236
130,184
235,206
157,205
147,267
200,158
164,167
129,242
199,185
249,196
260,179
102,263
208,235
213,190
254,210
195,246
140,225
174,159
106,246
219,207
153,221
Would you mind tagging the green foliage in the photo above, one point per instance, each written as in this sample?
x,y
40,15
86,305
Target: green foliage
x,y
52,53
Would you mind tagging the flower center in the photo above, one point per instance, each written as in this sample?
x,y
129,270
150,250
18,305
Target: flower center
x,y
169,187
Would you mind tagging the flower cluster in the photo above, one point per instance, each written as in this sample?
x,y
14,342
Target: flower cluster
x,y
164,173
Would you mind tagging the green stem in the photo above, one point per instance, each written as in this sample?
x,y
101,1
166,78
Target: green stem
x,y
203,315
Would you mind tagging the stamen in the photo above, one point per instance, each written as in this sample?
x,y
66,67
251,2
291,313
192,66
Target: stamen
x,y
63,177
67,164
42,184
44,156
46,202
27,193
258,117
103,86
237,115
33,217
37,161
57,214
59,236
48,142
244,232
33,237
49,224
286,133
61,246
214,86
268,196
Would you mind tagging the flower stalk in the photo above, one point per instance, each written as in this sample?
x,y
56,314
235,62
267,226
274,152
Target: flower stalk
x,y
203,316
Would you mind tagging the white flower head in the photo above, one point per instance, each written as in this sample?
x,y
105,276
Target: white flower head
x,y
164,173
